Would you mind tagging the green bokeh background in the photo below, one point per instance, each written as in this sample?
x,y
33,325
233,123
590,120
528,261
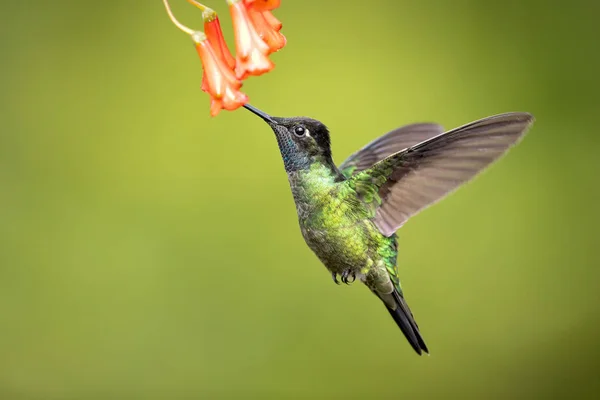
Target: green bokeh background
x,y
148,251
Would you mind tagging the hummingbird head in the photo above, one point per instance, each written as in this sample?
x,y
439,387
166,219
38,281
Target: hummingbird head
x,y
302,141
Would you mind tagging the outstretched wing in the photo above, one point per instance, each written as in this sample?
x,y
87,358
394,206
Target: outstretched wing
x,y
390,143
408,181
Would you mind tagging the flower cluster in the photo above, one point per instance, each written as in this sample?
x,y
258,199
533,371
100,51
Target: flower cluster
x,y
257,34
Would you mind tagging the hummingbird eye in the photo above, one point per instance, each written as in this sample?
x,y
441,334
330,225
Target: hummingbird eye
x,y
300,131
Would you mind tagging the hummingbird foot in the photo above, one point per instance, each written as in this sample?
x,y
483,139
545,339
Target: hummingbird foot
x,y
346,275
334,276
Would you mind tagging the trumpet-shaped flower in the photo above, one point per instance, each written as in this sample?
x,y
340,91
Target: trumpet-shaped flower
x,y
220,82
251,50
214,33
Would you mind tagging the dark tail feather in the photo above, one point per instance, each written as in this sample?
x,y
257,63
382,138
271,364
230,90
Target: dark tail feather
x,y
407,324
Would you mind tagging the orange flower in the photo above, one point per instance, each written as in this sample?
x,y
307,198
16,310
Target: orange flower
x,y
212,29
219,83
262,5
268,33
256,36
250,48
218,79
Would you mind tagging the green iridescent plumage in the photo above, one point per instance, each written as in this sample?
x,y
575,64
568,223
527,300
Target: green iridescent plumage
x,y
348,215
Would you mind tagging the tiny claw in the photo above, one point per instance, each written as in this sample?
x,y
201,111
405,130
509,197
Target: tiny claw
x,y
353,278
345,276
334,276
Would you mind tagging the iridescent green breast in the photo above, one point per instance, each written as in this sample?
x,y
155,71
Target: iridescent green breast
x,y
336,225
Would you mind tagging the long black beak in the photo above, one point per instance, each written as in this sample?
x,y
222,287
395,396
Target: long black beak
x,y
261,114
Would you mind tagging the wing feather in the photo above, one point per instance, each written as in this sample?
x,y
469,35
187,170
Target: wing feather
x,y
390,143
412,179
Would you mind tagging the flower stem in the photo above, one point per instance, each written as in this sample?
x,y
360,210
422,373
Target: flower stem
x,y
178,24
208,14
199,5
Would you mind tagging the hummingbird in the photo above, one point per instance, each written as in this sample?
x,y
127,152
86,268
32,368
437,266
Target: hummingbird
x,y
349,214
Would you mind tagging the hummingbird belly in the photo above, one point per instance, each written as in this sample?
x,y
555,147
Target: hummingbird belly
x,y
345,246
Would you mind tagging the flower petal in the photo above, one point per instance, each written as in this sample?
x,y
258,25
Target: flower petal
x,y
268,34
271,20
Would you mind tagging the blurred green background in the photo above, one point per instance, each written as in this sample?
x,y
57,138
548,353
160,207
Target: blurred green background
x,y
148,251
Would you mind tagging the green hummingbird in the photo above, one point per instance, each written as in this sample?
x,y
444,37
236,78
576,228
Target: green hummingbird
x,y
349,214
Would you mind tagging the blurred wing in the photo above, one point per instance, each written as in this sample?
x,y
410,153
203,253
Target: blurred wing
x,y
390,143
408,181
